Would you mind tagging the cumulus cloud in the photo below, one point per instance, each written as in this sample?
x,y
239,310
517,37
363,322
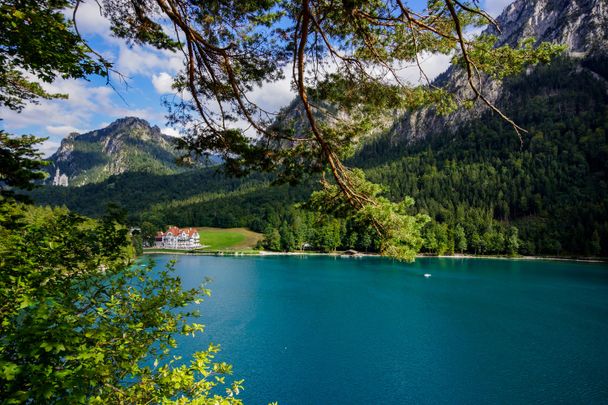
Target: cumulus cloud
x,y
162,82
171,132
127,59
48,147
61,129
145,60
90,21
431,64
85,103
273,96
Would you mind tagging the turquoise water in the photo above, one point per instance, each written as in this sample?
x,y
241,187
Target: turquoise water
x,y
323,330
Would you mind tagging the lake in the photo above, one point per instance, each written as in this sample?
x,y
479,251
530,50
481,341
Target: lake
x,y
331,330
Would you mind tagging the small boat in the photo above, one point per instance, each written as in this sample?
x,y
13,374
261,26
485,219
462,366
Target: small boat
x,y
427,275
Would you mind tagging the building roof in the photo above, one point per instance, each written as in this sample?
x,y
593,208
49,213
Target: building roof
x,y
175,231
191,231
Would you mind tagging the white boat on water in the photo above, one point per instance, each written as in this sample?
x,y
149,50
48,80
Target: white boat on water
x,y
427,275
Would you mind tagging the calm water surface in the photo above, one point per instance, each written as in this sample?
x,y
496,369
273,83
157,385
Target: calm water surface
x,y
323,330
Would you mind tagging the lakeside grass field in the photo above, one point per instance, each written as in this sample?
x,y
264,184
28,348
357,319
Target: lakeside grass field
x,y
228,239
220,240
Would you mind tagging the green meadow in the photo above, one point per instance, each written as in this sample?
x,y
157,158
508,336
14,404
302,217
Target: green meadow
x,y
228,239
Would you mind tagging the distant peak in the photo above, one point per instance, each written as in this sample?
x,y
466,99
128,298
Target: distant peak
x,y
129,121
128,144
579,24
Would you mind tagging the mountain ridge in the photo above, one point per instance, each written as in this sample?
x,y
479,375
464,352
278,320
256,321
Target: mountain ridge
x,y
547,194
127,144
576,24
98,154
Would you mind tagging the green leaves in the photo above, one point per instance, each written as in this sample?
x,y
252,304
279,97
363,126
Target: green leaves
x,y
80,322
399,231
8,371
36,38
20,163
504,61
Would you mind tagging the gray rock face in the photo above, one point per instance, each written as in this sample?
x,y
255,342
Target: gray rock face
x,y
65,149
582,25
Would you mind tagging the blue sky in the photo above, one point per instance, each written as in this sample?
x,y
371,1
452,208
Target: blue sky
x,y
92,104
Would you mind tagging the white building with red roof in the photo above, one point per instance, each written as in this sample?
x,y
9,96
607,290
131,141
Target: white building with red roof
x,y
178,238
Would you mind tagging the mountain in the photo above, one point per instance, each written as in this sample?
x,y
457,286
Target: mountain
x,y
485,191
578,24
126,145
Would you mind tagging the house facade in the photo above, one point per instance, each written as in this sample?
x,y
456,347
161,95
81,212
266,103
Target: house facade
x,y
178,238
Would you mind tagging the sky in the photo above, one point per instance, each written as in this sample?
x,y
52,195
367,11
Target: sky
x,y
92,104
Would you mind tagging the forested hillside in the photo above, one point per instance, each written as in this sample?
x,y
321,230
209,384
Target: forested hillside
x,y
126,145
485,192
552,187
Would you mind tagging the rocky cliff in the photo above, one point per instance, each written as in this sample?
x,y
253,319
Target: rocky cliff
x,y
581,25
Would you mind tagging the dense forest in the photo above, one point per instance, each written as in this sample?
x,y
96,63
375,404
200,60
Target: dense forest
x,y
485,191
552,188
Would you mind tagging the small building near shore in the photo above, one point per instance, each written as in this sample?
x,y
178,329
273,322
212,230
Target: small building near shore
x,y
178,238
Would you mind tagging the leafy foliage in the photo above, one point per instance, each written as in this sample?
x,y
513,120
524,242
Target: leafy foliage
x,y
400,231
37,40
484,192
504,61
20,163
80,322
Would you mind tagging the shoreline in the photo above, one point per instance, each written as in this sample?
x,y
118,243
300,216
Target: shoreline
x,y
341,254
548,258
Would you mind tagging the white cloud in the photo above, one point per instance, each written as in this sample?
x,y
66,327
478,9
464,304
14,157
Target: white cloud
x,y
273,96
171,132
48,147
145,60
90,21
162,83
62,130
474,31
85,103
495,7
136,60
432,65
173,61
127,59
